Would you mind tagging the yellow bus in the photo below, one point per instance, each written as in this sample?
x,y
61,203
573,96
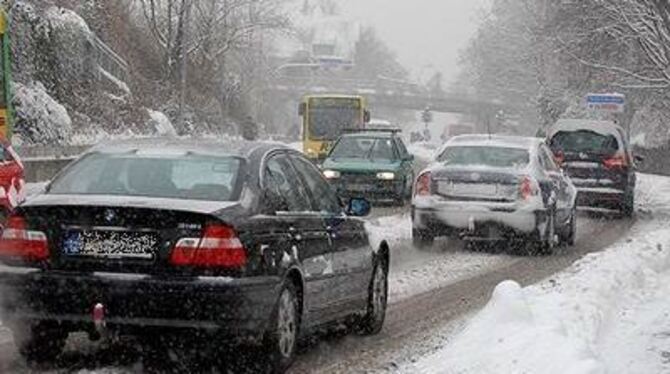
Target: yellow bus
x,y
6,113
326,117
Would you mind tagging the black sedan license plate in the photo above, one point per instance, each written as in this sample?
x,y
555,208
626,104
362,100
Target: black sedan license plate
x,y
109,244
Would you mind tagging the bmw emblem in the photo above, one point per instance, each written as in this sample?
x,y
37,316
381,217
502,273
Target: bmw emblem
x,y
110,216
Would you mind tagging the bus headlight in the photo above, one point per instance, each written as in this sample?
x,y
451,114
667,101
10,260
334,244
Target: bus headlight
x,y
386,176
331,174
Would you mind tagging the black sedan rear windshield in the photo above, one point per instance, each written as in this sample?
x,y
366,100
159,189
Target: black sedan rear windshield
x,y
584,141
499,157
183,176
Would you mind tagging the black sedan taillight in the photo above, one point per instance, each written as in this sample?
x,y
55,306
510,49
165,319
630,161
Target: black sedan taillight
x,y
219,247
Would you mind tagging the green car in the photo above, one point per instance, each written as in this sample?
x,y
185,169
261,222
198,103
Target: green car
x,y
373,164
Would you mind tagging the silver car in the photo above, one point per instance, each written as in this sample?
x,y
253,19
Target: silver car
x,y
495,188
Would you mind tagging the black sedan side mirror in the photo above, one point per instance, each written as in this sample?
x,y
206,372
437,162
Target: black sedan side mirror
x,y
358,207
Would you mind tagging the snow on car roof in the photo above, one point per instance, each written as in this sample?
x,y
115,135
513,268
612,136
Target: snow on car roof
x,y
600,127
370,134
483,140
169,146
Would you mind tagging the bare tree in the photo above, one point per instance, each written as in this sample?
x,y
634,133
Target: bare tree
x,y
216,27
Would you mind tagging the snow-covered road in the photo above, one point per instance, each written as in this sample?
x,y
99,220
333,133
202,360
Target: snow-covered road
x,y
414,272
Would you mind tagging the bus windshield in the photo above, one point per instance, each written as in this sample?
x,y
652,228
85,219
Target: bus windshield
x,y
328,118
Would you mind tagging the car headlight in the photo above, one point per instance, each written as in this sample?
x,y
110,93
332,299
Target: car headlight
x,y
387,176
331,174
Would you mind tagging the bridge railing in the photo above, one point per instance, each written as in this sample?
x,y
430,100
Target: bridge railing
x,y
109,60
380,84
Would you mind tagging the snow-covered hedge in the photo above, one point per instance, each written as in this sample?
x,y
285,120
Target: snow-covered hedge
x,y
39,118
161,123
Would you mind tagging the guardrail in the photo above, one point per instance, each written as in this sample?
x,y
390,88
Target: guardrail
x,y
43,162
655,160
43,169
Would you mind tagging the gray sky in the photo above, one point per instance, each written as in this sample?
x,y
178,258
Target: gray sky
x,y
422,32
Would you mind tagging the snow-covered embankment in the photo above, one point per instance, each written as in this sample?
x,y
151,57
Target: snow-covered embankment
x,y
607,313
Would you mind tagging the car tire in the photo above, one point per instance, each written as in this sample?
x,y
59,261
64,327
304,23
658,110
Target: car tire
x,y
628,205
422,239
544,243
409,185
40,342
373,320
569,238
281,340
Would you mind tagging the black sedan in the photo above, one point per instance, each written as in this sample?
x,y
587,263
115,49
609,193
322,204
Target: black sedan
x,y
244,241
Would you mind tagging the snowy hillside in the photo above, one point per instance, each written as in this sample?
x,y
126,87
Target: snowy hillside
x,y
64,88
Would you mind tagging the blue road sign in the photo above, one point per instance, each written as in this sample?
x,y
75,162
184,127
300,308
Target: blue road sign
x,y
606,99
606,102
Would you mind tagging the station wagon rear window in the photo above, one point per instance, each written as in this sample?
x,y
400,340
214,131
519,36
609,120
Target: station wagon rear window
x,y
191,177
584,141
500,157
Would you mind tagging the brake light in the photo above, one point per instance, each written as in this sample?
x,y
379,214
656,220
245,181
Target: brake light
x,y
527,188
219,246
616,162
422,187
17,242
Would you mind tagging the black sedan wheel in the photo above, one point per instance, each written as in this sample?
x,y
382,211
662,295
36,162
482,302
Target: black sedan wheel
x,y
282,341
373,321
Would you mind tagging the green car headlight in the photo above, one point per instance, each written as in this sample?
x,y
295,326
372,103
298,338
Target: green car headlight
x,y
387,176
331,174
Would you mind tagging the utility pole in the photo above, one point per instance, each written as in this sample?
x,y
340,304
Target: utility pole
x,y
183,63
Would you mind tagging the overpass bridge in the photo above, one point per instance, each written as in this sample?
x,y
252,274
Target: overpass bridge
x,y
386,92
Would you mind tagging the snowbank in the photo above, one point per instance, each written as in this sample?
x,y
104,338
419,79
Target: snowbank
x,y
40,118
607,313
62,17
161,123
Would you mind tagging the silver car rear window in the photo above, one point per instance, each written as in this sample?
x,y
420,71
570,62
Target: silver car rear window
x,y
492,156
